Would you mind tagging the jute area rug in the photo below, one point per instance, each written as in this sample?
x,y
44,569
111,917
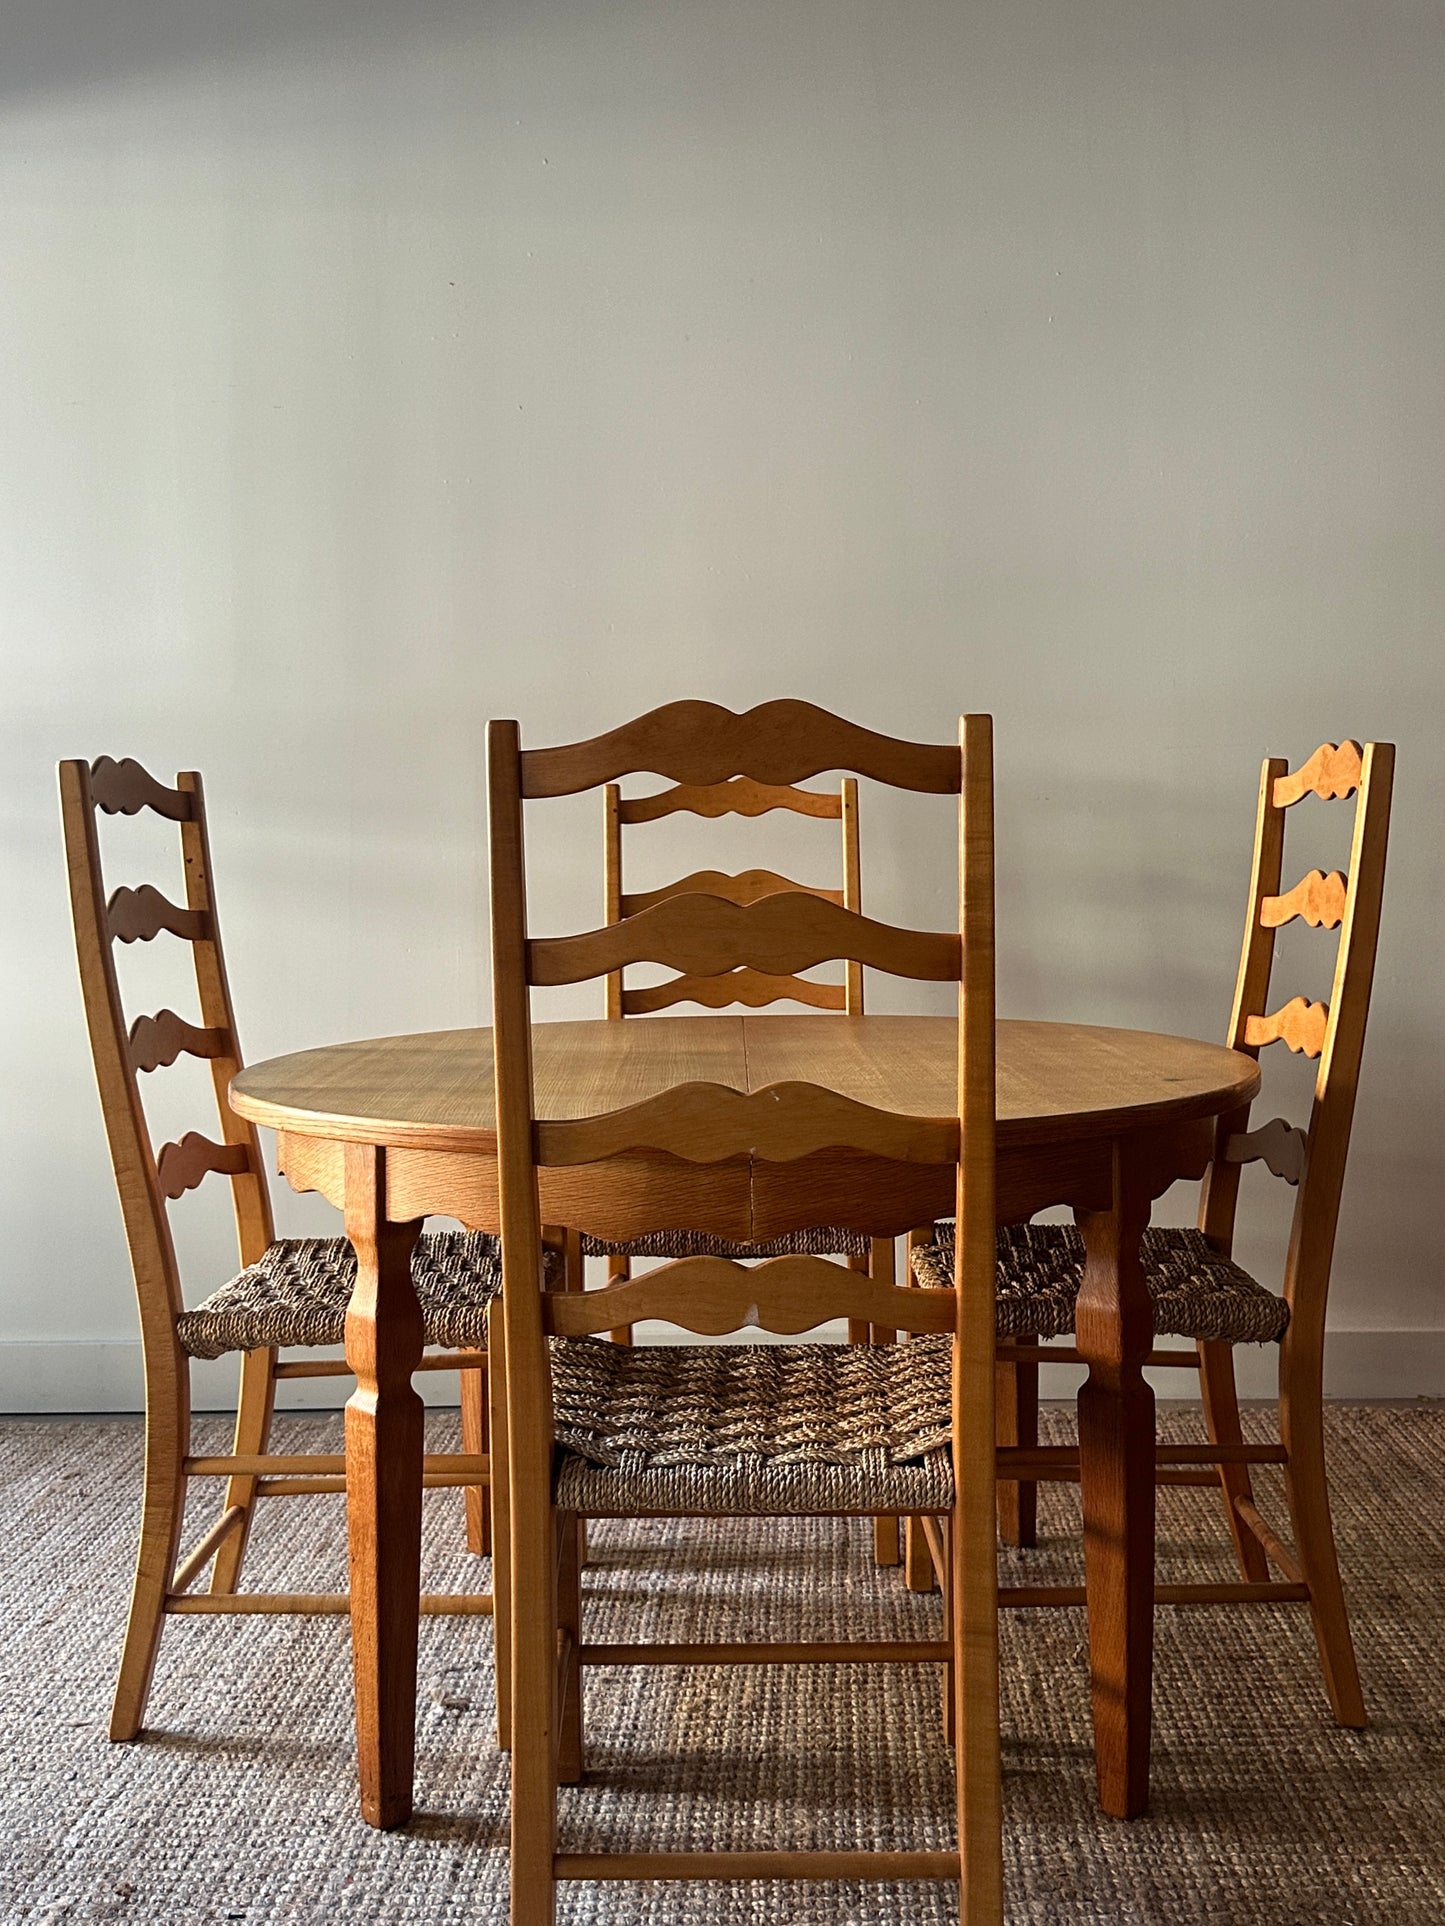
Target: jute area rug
x,y
240,1805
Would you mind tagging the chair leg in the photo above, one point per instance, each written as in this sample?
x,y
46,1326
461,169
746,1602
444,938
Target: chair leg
x,y
973,1632
168,1434
619,1269
569,1624
534,1734
501,1527
918,1572
254,1411
1016,1391
476,1431
882,1265
1301,1426
1221,1419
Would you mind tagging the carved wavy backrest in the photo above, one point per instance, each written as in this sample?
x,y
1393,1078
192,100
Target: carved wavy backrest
x,y
745,935
150,1176
1331,1032
746,987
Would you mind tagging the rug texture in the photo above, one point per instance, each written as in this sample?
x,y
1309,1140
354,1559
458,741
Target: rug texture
x,y
239,1804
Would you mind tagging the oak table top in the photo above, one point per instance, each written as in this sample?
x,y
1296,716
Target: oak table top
x,y
1057,1082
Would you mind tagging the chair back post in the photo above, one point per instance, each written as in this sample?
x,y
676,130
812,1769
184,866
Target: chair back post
x,y
250,1193
132,1156
612,881
852,889
1219,1197
1317,1206
973,1593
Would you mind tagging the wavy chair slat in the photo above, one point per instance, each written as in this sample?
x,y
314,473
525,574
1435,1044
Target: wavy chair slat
x,y
1318,898
125,788
748,886
739,797
777,743
707,1122
781,935
1282,1148
751,988
1334,770
156,1041
181,1166
1300,1024
785,1295
137,915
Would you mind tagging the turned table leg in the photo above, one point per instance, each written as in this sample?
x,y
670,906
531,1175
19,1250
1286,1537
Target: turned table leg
x,y
384,1445
1116,1444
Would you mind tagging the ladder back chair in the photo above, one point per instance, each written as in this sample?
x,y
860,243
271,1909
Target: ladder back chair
x,y
289,1292
752,989
599,1429
1198,1291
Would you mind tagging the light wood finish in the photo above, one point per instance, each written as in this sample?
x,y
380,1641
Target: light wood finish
x,y
1313,1161
708,1122
779,744
148,1179
780,935
1317,898
1332,771
703,1123
1066,1095
1301,1025
1059,1084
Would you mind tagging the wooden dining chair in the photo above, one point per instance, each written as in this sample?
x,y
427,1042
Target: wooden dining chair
x,y
751,989
1197,1290
605,1430
289,1292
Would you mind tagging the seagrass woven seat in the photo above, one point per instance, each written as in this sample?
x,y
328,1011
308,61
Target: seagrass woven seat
x,y
1196,1291
826,1241
729,1430
299,1290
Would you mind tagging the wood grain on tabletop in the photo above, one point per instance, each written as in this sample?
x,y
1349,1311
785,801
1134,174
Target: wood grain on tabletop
x,y
1055,1080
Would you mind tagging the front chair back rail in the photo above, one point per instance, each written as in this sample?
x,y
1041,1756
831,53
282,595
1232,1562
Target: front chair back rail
x,y
288,1292
699,748
1198,1291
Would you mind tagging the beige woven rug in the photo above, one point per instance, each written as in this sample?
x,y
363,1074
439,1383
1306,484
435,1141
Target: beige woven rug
x,y
240,1804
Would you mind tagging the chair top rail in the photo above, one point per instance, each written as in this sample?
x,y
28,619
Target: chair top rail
x,y
778,743
779,935
705,1123
739,797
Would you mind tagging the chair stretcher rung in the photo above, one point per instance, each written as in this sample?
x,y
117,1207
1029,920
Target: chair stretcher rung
x,y
1069,1354
755,1865
1233,1594
339,1368
318,1604
272,1464
858,1652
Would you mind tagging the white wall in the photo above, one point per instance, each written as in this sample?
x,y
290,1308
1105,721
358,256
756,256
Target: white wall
x,y
369,371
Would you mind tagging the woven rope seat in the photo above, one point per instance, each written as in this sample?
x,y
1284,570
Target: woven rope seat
x,y
1196,1291
739,1430
827,1241
298,1293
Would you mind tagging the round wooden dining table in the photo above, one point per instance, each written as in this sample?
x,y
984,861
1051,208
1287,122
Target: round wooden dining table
x,y
396,1129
